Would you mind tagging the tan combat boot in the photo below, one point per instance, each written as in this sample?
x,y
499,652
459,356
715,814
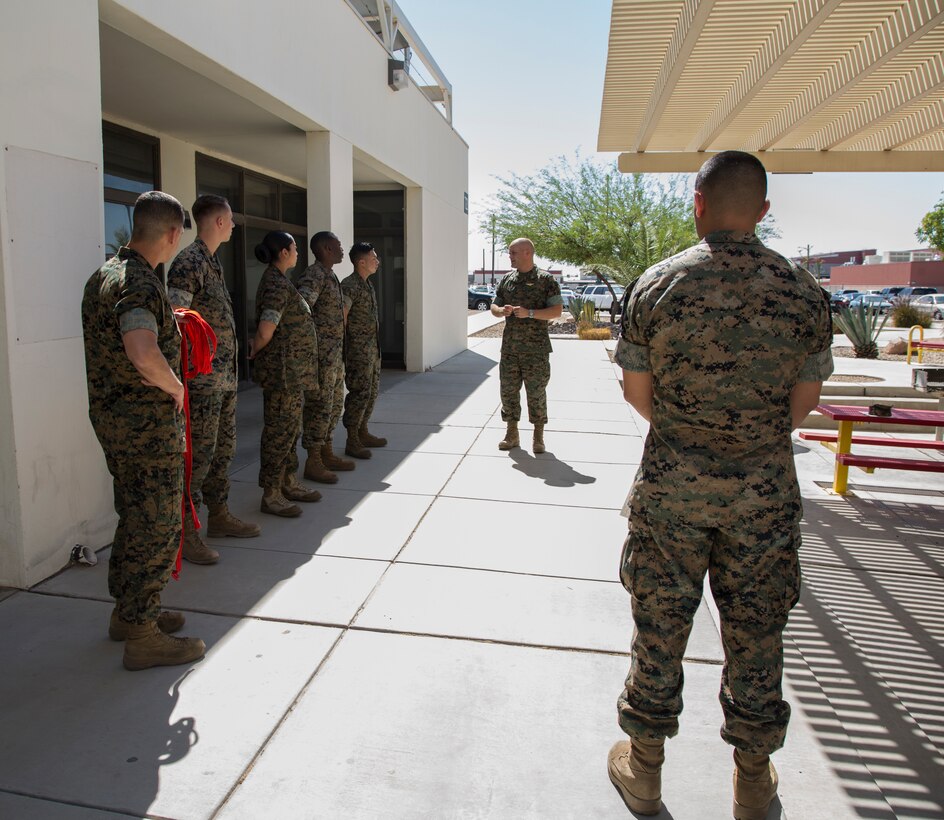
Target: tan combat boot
x,y
293,490
755,785
221,523
371,441
195,551
168,622
316,469
355,447
635,768
511,437
333,461
147,646
537,446
274,503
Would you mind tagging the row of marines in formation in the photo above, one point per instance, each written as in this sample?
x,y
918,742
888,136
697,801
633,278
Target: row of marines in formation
x,y
311,337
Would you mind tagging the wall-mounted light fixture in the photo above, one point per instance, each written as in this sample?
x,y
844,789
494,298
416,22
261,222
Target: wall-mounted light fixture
x,y
397,77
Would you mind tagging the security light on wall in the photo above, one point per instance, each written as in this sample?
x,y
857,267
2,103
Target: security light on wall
x,y
397,77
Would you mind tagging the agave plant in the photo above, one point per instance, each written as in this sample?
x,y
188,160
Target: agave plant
x,y
861,325
582,310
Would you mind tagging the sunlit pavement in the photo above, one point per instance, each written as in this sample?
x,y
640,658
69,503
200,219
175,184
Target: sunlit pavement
x,y
445,635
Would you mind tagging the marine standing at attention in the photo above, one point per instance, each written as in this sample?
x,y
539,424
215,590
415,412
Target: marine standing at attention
x,y
724,348
285,355
196,281
528,298
361,351
320,287
136,399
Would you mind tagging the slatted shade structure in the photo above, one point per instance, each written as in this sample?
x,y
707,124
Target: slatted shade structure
x,y
807,85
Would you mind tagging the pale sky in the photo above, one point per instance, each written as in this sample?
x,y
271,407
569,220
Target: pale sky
x,y
527,80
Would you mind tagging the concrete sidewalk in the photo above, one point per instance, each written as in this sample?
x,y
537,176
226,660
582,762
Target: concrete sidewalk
x,y
444,635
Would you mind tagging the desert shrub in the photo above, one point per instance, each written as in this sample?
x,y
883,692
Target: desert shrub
x,y
905,314
593,333
861,325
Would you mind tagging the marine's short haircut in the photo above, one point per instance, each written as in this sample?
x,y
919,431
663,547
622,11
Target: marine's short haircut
x,y
155,213
319,240
207,206
358,251
733,181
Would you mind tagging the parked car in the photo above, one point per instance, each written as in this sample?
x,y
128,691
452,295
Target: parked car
x,y
888,293
479,301
915,291
600,295
841,299
932,303
489,289
567,294
871,300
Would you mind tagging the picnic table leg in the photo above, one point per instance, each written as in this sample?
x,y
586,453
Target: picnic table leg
x,y
843,445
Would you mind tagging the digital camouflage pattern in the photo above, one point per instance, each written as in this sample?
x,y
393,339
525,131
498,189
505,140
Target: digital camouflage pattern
x,y
196,281
535,372
139,428
213,436
361,351
322,291
526,345
726,328
281,422
290,360
284,372
148,495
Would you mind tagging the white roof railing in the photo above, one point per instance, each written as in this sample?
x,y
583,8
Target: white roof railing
x,y
391,27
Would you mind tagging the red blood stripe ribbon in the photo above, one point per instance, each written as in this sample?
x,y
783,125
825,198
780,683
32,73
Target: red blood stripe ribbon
x,y
197,348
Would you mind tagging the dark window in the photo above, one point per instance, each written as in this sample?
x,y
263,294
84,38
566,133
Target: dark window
x,y
131,166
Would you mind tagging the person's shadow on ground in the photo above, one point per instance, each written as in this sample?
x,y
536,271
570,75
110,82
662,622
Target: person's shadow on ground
x,y
549,469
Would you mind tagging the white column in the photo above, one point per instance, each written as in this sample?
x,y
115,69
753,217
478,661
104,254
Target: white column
x,y
54,488
415,319
331,187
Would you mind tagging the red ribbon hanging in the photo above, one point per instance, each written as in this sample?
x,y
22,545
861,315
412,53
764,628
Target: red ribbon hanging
x,y
199,337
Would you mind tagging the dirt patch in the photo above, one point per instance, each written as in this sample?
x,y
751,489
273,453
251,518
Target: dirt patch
x,y
563,327
842,377
930,356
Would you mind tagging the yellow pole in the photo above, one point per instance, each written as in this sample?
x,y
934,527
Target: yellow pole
x,y
843,445
920,338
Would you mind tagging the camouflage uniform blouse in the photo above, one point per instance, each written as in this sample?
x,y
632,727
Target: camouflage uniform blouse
x,y
126,294
535,289
322,291
290,360
362,335
727,328
196,281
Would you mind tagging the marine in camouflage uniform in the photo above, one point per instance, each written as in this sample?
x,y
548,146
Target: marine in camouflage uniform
x,y
196,281
361,351
321,289
285,368
139,428
726,330
526,345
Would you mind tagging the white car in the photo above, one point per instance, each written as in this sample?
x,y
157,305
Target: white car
x,y
600,294
932,303
567,294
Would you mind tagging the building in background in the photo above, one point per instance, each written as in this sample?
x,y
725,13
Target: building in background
x,y
306,116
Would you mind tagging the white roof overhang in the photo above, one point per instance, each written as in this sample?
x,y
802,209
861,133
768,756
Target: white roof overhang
x,y
806,85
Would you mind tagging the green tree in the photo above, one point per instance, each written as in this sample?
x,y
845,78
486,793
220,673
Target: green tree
x,y
931,230
591,216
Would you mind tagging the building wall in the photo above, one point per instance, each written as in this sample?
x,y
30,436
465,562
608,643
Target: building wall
x,y
893,273
54,489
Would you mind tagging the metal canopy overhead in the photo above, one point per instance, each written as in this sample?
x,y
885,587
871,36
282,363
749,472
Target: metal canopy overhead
x,y
807,85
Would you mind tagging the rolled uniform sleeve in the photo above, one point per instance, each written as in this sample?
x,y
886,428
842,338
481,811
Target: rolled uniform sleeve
x,y
818,366
138,308
275,301
499,299
632,349
553,294
179,297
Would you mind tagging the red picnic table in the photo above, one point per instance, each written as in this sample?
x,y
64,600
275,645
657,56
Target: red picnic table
x,y
841,442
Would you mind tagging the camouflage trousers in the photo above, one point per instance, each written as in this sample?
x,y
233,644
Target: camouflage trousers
x,y
755,581
213,434
323,406
281,423
362,376
148,499
535,372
